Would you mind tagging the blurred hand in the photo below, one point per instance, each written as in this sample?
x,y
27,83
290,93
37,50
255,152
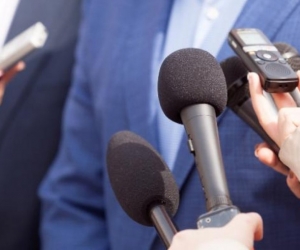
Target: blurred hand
x,y
238,234
269,158
5,77
275,125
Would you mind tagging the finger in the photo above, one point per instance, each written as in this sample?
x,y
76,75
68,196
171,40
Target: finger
x,y
283,100
262,107
186,239
298,73
2,90
288,121
269,158
251,226
294,184
12,72
257,225
8,75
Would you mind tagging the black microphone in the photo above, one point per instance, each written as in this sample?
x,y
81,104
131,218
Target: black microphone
x,y
287,51
142,183
294,62
192,91
239,100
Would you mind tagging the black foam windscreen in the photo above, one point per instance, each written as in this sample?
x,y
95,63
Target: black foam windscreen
x,y
233,69
236,79
294,62
188,77
286,50
139,177
290,54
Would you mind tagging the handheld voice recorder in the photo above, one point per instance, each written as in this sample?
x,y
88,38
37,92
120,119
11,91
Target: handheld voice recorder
x,y
261,56
26,42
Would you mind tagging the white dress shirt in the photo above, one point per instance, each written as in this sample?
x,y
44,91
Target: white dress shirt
x,y
193,23
7,13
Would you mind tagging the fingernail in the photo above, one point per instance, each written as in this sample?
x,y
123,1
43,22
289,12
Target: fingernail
x,y
249,76
256,153
256,150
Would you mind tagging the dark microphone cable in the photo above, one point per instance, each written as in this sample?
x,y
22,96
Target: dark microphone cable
x,y
192,91
142,183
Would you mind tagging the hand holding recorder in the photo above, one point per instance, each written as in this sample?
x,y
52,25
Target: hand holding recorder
x,y
16,50
262,57
22,45
282,128
5,77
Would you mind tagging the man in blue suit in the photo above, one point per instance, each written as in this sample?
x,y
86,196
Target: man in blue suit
x,y
122,45
30,116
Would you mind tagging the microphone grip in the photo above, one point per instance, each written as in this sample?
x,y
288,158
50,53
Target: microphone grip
x,y
163,224
296,96
218,217
201,127
247,114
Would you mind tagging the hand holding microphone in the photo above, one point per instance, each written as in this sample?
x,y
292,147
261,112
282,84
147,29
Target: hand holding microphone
x,y
192,91
282,128
238,234
147,192
6,76
239,100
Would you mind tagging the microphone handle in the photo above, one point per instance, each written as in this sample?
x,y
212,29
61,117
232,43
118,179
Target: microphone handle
x,y
201,127
247,114
163,224
217,218
296,96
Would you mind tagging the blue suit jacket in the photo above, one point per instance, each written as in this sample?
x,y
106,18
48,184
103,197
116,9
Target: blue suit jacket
x,y
30,118
111,93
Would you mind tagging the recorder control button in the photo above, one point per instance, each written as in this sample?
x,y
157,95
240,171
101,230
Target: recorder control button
x,y
281,60
261,62
266,55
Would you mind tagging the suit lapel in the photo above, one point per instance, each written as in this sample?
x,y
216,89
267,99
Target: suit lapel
x,y
149,19
152,21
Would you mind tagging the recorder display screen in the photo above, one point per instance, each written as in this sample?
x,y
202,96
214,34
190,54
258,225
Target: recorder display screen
x,y
252,38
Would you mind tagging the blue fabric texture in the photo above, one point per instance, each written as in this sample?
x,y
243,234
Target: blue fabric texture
x,y
112,92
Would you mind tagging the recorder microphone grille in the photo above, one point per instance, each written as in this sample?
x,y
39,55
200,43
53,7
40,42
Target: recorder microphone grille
x,y
277,70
